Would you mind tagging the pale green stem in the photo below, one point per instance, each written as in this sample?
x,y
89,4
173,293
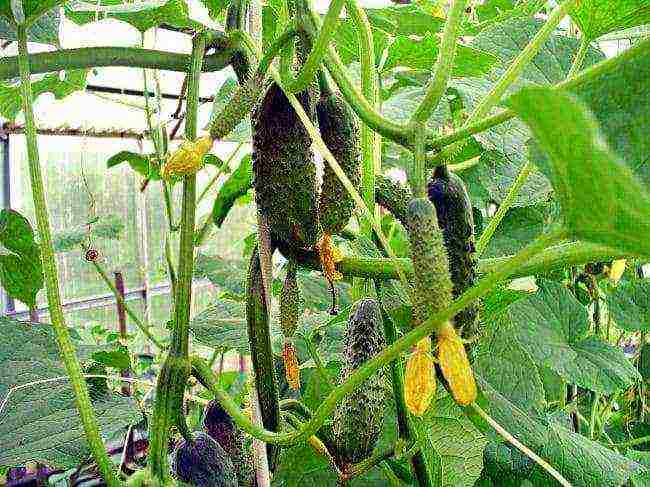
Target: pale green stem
x,y
580,57
360,375
318,361
520,62
180,342
66,347
226,166
369,89
521,447
444,64
504,207
417,174
594,413
120,299
310,67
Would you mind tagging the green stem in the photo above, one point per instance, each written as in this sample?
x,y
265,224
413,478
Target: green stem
x,y
129,311
369,90
226,166
130,57
313,353
633,442
580,57
551,259
505,205
464,132
594,413
207,377
520,62
509,76
180,340
66,347
521,447
417,174
444,64
310,67
404,427
171,380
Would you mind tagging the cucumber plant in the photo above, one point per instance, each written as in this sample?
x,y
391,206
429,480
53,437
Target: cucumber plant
x,y
473,106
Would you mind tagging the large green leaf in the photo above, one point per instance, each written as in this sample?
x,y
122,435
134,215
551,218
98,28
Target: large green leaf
x,y
21,270
520,226
405,20
39,422
619,100
237,185
109,227
59,84
422,54
31,9
601,199
583,462
141,15
598,17
552,327
145,165
456,441
550,66
222,326
630,305
45,30
508,367
226,274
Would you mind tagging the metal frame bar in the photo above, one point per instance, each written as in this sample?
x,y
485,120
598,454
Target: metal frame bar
x,y
9,304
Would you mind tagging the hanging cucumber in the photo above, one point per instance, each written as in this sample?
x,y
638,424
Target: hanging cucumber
x,y
432,282
222,429
201,462
340,132
284,169
358,419
454,210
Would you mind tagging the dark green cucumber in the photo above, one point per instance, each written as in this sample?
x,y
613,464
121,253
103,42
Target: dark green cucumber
x,y
284,169
201,462
340,132
448,194
357,421
433,289
259,338
221,428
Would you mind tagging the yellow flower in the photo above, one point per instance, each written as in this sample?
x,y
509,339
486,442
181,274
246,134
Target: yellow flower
x,y
329,255
420,379
187,160
455,365
291,367
616,270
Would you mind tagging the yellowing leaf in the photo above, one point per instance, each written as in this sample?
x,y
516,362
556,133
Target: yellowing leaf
x,y
617,269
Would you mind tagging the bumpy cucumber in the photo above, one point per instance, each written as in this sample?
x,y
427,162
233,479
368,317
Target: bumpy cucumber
x,y
259,338
203,463
358,419
290,301
394,197
454,210
222,429
340,133
432,282
284,169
